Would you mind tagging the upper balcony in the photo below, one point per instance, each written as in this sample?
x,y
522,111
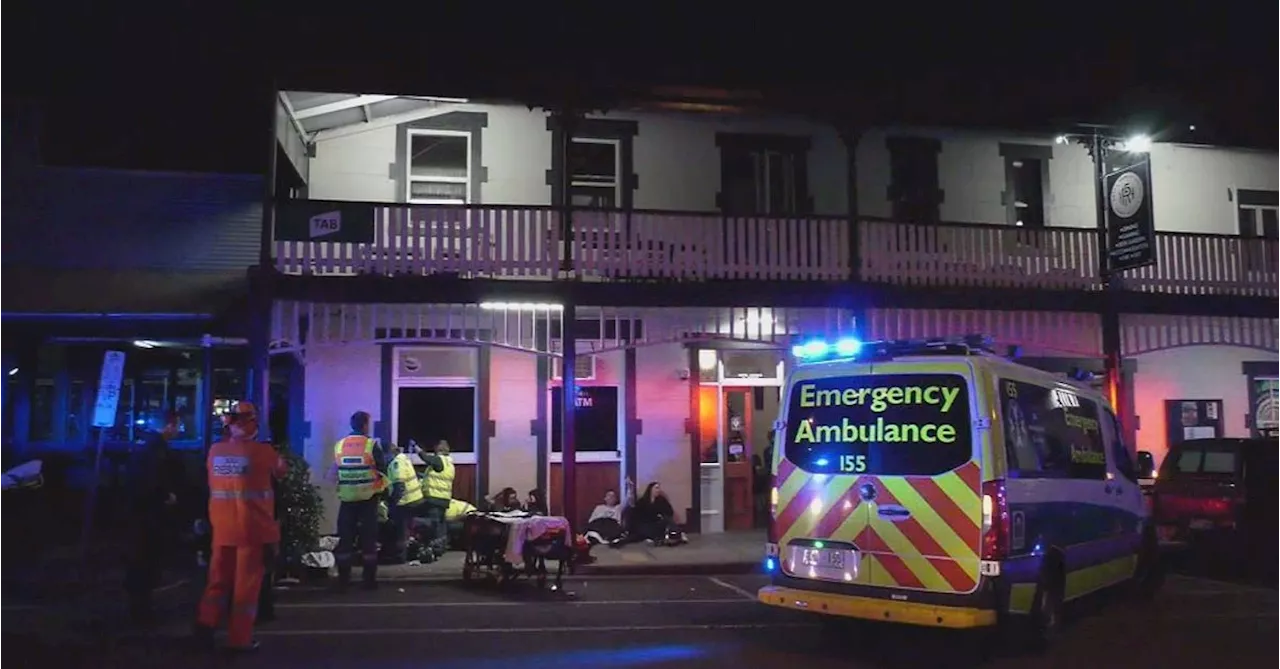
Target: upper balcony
x,y
410,186
328,238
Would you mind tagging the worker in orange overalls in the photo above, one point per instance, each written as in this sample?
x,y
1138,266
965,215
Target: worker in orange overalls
x,y
242,515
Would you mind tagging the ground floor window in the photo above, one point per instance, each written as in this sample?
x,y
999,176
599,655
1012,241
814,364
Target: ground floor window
x,y
428,414
595,419
1266,406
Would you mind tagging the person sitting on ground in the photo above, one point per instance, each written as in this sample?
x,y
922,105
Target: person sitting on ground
x,y
506,501
654,520
607,523
536,503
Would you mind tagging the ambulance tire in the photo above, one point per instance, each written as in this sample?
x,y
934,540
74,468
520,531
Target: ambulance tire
x,y
1047,609
1148,575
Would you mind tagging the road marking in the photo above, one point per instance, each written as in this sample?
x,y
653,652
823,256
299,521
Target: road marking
x,y
732,588
529,630
430,605
1227,586
171,586
51,607
1259,615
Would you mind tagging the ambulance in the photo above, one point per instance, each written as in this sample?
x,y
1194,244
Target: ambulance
x,y
936,483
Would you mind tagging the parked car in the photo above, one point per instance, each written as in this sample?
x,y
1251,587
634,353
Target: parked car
x,y
1219,490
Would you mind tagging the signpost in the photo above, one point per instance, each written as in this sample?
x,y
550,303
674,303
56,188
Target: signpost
x,y
1131,231
104,417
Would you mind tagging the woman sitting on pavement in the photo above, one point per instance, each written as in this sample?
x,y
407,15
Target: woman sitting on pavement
x,y
505,501
653,519
537,503
607,523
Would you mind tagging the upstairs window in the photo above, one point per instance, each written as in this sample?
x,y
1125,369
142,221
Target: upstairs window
x,y
764,175
594,169
1256,216
913,179
439,167
1028,192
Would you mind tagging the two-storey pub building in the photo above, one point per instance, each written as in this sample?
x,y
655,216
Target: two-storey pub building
x,y
431,260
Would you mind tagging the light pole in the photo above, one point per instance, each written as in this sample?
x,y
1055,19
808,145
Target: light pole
x,y
1098,141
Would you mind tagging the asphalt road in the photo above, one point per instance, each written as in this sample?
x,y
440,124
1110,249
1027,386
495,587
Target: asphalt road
x,y
675,622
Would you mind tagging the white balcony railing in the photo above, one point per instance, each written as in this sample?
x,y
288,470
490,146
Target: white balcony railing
x,y
505,242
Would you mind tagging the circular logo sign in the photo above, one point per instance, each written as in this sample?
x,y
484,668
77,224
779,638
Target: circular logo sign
x,y
1126,195
411,364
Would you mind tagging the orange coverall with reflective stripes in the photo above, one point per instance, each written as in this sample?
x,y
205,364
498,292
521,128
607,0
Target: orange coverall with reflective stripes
x,y
242,516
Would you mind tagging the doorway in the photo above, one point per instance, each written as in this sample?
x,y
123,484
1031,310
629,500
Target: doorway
x,y
747,417
738,401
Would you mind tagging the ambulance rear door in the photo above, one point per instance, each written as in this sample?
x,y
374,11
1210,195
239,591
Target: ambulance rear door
x,y
923,477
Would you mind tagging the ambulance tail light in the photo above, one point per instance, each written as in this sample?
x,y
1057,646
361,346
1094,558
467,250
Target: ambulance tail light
x,y
773,514
995,521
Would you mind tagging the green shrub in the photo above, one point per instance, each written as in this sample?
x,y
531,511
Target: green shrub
x,y
298,506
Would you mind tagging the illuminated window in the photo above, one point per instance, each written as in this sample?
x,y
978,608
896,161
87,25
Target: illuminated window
x,y
439,167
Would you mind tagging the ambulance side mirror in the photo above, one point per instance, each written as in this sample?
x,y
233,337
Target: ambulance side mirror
x,y
1146,465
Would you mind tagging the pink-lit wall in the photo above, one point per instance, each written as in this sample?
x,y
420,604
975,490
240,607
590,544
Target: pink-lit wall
x,y
1192,373
512,451
662,398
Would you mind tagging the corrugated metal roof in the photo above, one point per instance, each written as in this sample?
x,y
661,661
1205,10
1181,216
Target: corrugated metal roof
x,y
314,112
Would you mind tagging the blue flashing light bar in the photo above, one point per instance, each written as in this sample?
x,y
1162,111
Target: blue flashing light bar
x,y
817,349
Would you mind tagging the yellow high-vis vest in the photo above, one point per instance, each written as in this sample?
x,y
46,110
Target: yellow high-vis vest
x,y
401,471
440,483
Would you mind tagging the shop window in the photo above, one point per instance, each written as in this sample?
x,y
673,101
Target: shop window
x,y
428,414
79,408
42,408
1266,406
228,388
595,419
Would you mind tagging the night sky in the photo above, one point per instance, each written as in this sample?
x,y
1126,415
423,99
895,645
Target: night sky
x,y
188,87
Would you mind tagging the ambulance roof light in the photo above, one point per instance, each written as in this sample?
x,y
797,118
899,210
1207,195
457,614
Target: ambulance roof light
x,y
817,349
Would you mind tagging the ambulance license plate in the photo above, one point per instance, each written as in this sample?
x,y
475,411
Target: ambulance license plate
x,y
834,564
1200,524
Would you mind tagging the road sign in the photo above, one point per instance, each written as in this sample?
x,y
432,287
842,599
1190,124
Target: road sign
x,y
104,409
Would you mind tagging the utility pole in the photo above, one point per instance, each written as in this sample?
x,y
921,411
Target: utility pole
x,y
568,317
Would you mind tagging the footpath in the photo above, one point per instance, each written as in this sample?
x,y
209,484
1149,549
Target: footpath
x,y
726,553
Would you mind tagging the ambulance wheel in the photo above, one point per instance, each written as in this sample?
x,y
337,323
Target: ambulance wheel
x,y
1046,609
1148,575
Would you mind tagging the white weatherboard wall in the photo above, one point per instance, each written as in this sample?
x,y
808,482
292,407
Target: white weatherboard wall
x,y
662,448
1193,186
1192,373
676,160
340,380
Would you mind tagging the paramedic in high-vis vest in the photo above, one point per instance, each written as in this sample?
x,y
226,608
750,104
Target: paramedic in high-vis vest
x,y
243,518
406,501
358,468
438,483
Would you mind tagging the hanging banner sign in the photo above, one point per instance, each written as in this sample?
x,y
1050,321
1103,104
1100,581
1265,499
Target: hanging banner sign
x,y
1131,230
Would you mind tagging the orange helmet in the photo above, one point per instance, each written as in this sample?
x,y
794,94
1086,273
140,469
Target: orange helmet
x,y
242,419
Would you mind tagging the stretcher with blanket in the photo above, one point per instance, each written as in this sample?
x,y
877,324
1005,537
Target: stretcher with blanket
x,y
505,546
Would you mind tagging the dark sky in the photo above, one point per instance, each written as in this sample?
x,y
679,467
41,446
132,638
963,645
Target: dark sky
x,y
188,87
